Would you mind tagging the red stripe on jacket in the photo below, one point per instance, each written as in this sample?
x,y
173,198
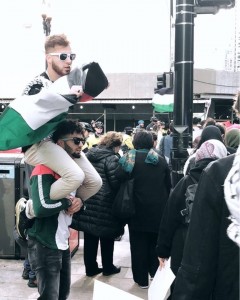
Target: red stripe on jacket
x,y
44,170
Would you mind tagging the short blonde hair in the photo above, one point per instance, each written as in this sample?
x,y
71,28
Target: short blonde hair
x,y
111,139
56,40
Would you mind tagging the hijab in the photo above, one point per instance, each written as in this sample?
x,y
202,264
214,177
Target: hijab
x,y
232,138
210,132
211,149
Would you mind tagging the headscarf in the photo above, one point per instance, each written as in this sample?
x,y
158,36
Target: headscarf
x,y
232,197
211,149
232,138
128,160
210,132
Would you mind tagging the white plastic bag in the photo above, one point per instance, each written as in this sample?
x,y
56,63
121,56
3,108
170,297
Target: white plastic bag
x,y
160,286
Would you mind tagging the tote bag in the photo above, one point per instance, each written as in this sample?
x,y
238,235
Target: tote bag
x,y
123,204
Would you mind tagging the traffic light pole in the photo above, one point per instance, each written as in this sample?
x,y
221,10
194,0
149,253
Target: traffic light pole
x,y
183,85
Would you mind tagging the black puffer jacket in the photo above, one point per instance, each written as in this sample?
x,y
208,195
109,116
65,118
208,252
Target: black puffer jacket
x,y
97,218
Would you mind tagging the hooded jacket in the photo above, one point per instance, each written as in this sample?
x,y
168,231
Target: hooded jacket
x,y
97,218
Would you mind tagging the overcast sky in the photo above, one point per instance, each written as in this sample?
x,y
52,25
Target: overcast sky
x,y
122,35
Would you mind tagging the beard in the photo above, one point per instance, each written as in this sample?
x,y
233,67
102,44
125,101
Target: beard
x,y
59,70
70,153
76,155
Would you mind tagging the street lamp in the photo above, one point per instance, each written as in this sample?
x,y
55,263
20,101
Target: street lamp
x,y
46,5
46,20
46,24
183,68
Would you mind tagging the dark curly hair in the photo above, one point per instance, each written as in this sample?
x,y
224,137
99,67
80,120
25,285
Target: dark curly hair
x,y
67,127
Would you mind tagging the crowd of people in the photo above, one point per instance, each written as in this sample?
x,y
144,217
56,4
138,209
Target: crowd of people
x,y
75,173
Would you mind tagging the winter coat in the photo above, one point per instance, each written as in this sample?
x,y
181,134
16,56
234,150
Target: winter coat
x,y
152,186
173,228
210,265
50,227
97,218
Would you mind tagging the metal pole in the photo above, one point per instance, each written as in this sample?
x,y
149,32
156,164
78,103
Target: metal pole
x,y
183,87
114,122
105,120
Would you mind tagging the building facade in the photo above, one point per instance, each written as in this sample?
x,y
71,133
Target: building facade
x,y
232,56
129,99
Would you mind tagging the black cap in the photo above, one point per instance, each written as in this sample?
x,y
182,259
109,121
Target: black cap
x,y
92,79
95,80
128,129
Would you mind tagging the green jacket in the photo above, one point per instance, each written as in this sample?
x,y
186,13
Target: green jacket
x,y
50,227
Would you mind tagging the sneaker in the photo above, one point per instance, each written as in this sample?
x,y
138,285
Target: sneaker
x,y
115,270
32,283
22,221
25,274
143,286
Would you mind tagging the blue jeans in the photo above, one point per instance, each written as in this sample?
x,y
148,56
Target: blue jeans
x,y
52,269
27,266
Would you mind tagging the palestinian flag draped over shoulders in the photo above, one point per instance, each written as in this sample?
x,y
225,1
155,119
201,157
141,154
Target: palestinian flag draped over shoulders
x,y
29,119
163,103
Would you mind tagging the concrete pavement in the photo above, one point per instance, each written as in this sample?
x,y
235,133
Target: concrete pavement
x,y
13,287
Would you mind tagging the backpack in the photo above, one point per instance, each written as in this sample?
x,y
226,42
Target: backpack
x,y
190,194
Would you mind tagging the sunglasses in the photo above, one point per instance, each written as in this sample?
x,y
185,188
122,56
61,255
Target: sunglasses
x,y
76,140
64,56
